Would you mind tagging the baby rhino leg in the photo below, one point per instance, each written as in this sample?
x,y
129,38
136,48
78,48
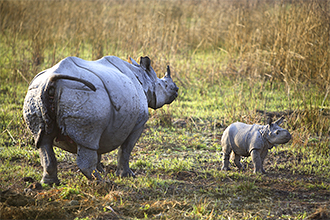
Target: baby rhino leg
x,y
263,156
256,159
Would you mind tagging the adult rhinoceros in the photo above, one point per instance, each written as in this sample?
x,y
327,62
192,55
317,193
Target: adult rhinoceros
x,y
91,108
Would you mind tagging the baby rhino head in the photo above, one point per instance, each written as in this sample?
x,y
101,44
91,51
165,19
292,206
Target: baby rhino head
x,y
276,134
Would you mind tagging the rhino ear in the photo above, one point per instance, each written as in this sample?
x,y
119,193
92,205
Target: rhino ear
x,y
145,62
279,121
134,62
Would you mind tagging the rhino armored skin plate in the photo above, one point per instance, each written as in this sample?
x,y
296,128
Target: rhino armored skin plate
x,y
91,108
252,140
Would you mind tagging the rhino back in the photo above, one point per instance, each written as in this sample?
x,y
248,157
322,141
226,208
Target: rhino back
x,y
110,72
111,135
239,137
85,117
33,105
109,113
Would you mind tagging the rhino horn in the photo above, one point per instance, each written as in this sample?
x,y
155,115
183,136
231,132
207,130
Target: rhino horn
x,y
279,121
168,72
145,62
134,62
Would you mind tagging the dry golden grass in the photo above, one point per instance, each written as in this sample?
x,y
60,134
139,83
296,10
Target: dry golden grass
x,y
287,40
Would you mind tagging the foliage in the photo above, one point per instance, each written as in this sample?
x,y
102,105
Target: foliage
x,y
232,60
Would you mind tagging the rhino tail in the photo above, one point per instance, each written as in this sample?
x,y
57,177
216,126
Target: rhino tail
x,y
48,105
56,77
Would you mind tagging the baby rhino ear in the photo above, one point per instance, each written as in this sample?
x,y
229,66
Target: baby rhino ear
x,y
279,121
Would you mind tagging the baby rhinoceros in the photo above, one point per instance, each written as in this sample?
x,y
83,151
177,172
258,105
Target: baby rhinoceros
x,y
255,140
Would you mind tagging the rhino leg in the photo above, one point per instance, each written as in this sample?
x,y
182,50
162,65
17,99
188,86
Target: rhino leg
x,y
263,156
237,161
87,161
124,153
256,159
48,160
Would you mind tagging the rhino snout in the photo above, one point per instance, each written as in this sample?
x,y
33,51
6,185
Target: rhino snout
x,y
288,137
282,137
175,94
176,88
172,98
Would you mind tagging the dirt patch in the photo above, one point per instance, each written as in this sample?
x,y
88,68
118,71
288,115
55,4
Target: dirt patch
x,y
184,175
19,206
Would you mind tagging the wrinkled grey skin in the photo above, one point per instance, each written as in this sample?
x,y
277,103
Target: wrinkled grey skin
x,y
255,140
91,108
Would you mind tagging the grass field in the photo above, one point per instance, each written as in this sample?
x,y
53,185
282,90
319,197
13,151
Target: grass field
x,y
232,60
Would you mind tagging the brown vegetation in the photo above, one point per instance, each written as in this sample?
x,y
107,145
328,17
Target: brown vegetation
x,y
278,39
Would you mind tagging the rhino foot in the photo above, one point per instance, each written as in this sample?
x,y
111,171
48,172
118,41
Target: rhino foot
x,y
125,173
242,169
100,168
225,168
259,172
50,180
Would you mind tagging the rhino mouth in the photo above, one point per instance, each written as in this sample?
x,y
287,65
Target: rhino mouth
x,y
285,139
172,98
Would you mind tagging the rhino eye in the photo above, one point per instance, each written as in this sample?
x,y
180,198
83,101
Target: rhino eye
x,y
276,132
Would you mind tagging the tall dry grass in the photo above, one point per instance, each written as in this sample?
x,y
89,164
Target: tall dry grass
x,y
203,41
286,40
